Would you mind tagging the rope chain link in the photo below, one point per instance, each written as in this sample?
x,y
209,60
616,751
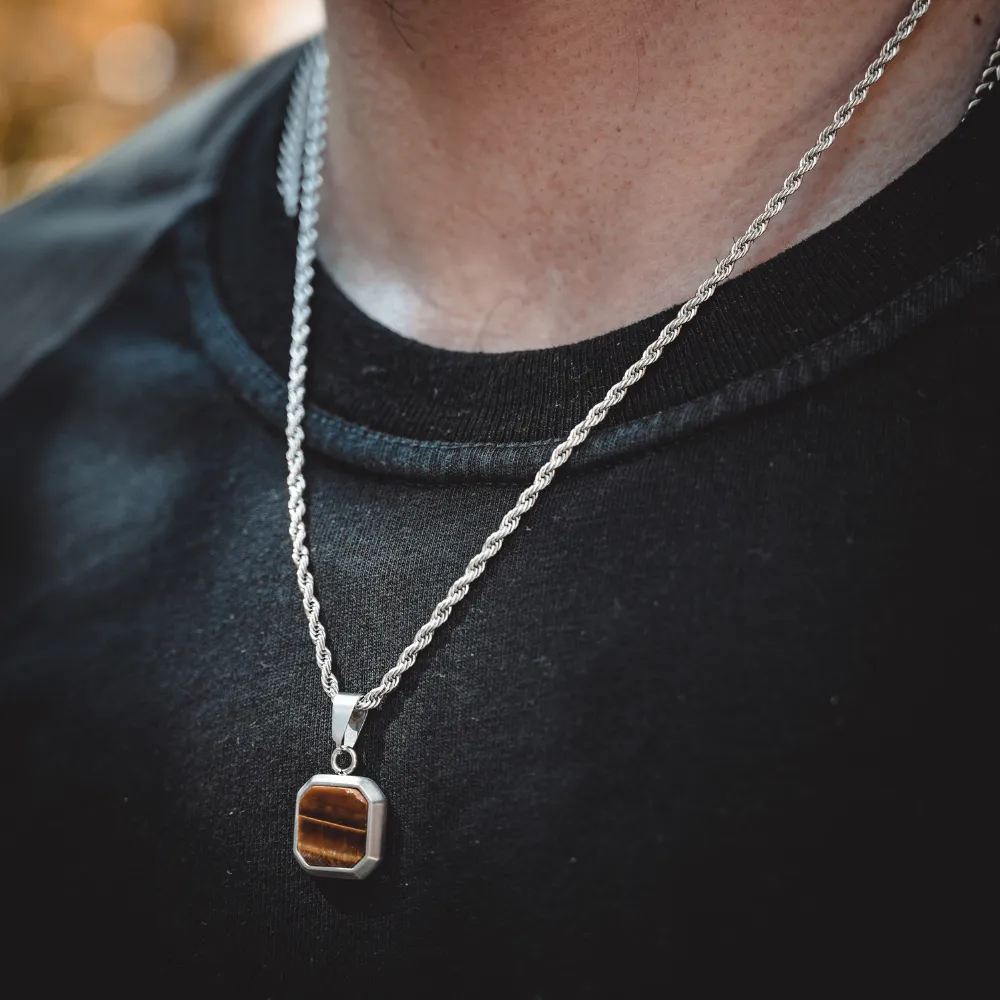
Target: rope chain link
x,y
312,128
990,76
308,119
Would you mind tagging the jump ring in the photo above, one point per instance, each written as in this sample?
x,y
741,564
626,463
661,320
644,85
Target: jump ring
x,y
337,769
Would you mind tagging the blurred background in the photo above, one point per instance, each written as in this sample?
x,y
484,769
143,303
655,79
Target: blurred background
x,y
78,75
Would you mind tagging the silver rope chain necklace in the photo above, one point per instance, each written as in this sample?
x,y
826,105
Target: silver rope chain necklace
x,y
340,818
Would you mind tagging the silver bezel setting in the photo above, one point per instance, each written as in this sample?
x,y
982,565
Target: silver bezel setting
x,y
377,810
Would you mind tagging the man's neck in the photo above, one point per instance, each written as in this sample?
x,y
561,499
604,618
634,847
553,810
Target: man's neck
x,y
515,174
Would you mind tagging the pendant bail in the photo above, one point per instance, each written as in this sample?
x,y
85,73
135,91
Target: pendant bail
x,y
347,720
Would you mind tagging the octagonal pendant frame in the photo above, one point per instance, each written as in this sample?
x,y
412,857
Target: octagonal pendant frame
x,y
375,834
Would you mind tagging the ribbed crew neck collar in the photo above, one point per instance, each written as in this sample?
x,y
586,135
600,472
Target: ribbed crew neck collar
x,y
376,381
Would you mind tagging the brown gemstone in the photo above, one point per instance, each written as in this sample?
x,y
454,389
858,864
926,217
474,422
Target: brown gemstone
x,y
333,826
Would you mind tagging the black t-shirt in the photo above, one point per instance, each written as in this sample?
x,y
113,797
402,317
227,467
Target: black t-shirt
x,y
714,715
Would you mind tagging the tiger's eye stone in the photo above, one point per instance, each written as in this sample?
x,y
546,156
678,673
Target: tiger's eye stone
x,y
332,826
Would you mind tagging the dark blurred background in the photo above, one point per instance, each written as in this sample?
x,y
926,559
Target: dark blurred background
x,y
78,75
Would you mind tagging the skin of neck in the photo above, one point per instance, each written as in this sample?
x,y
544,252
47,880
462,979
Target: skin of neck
x,y
517,174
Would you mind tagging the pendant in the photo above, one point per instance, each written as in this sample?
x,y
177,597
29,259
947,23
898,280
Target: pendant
x,y
340,818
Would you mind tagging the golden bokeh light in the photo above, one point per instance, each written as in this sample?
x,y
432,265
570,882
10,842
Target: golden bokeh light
x,y
76,77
